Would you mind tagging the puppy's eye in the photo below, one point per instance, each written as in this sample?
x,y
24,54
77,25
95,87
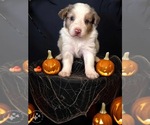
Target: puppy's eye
x,y
87,21
72,18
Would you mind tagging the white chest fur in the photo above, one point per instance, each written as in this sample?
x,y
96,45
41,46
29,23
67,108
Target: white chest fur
x,y
77,46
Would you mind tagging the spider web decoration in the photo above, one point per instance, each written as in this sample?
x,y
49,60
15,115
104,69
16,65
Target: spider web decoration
x,y
62,99
15,86
137,85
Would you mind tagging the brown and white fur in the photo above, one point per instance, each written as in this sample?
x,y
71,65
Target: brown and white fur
x,y
78,38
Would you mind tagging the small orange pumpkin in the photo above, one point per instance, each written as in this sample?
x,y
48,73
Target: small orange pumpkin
x,y
50,65
25,66
31,113
116,110
127,119
105,67
4,112
141,110
129,67
102,118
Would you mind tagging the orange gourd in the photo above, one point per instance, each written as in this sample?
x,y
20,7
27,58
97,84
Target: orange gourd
x,y
50,65
105,67
37,69
129,67
102,118
116,110
15,69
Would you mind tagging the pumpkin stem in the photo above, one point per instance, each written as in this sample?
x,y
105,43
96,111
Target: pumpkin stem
x,y
106,56
49,55
126,56
103,108
123,112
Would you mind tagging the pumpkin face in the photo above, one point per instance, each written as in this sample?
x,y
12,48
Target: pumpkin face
x,y
25,66
4,113
50,65
129,67
116,110
141,110
105,67
31,113
102,118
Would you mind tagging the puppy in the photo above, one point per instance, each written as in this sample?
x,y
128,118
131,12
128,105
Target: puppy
x,y
78,38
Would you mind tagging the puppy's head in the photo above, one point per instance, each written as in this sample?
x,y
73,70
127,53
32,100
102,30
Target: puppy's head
x,y
80,19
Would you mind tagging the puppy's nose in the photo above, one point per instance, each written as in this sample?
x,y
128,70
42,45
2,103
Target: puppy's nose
x,y
77,31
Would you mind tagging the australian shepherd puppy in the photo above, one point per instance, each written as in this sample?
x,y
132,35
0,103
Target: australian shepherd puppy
x,y
78,38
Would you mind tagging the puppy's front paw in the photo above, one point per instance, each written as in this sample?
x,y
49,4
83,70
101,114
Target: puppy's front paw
x,y
64,73
92,74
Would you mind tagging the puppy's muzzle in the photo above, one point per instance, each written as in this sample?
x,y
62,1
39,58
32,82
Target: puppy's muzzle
x,y
77,31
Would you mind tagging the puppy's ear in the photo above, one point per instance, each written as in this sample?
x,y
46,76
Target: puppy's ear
x,y
96,17
63,12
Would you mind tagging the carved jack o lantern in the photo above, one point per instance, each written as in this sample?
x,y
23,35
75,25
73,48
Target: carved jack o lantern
x,y
105,67
129,67
50,65
141,110
31,113
4,112
116,110
102,118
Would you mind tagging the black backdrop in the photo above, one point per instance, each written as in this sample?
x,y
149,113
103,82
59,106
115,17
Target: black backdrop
x,y
44,26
